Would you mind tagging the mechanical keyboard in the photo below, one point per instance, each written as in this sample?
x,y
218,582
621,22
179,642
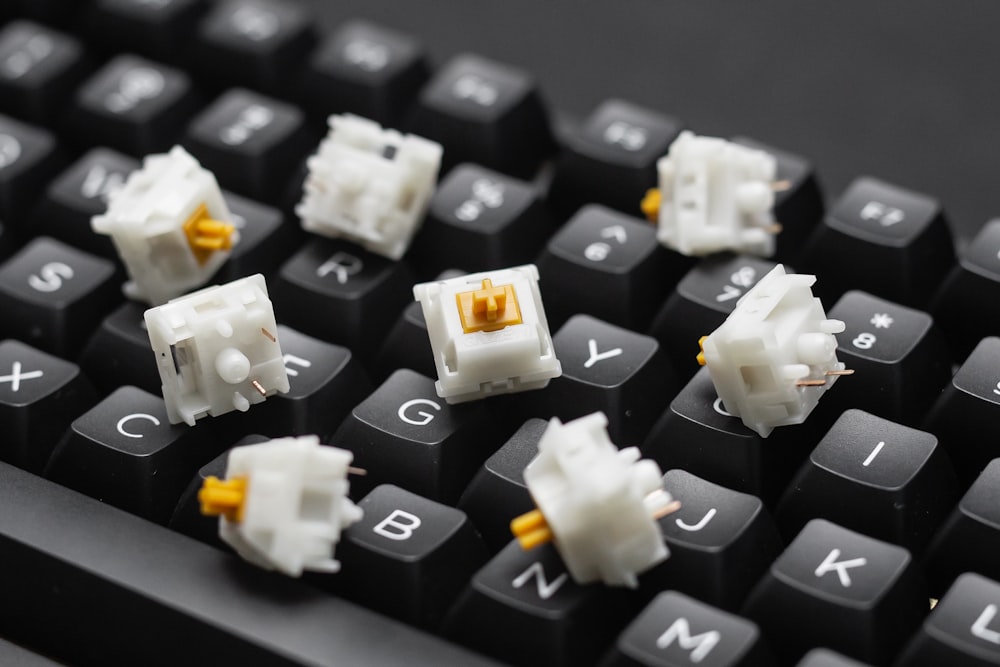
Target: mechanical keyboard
x,y
867,535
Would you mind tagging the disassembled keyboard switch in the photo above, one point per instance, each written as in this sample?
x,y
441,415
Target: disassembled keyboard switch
x,y
217,350
714,195
488,333
369,185
283,503
598,504
775,355
170,225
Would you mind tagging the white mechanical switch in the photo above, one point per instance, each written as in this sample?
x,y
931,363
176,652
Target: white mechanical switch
x,y
369,185
283,504
599,505
488,333
217,350
170,225
775,355
714,195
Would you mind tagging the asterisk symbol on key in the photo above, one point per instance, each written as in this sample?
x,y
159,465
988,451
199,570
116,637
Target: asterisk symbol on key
x,y
881,320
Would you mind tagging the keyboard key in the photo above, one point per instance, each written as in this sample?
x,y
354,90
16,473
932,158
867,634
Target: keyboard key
x,y
611,158
40,395
80,193
404,434
480,219
607,265
125,452
498,494
522,607
966,415
364,69
958,307
326,381
119,353
59,12
266,239
821,657
39,69
359,293
900,359
612,370
970,538
409,557
675,630
52,296
134,105
874,476
187,517
701,302
798,204
721,542
28,161
256,43
696,434
962,630
883,239
484,112
62,551
250,142
863,596
158,29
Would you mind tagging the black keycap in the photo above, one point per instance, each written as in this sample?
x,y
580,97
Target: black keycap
x,y
404,434
134,105
798,202
407,345
863,596
970,538
900,359
522,607
721,542
484,112
675,630
821,657
607,265
365,69
40,395
28,161
325,382
58,12
266,239
18,656
877,477
77,195
696,434
498,494
701,302
158,29
125,452
611,158
882,239
966,415
187,517
62,551
409,557
480,219
257,43
119,353
358,292
39,68
250,142
963,630
959,307
52,296
609,369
